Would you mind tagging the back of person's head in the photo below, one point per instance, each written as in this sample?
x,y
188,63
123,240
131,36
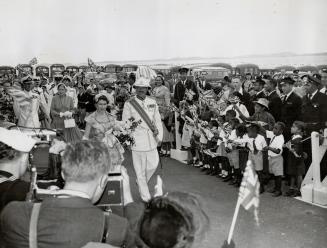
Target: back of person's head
x,y
85,161
231,113
241,130
7,152
174,220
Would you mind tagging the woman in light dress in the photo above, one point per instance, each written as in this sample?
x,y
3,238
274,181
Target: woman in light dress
x,y
162,96
100,126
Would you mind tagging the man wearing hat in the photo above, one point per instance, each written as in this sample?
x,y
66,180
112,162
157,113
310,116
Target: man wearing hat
x,y
258,88
324,81
147,135
28,104
14,149
291,106
183,84
314,107
275,102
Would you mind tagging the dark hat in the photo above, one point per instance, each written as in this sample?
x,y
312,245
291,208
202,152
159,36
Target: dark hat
x,y
287,80
260,81
183,70
315,78
26,79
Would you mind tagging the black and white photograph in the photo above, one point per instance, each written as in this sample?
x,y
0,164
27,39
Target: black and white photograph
x,y
163,123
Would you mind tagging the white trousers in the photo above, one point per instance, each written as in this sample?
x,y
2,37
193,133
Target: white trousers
x,y
145,164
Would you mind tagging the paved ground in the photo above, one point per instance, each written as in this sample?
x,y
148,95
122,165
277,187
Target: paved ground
x,y
284,222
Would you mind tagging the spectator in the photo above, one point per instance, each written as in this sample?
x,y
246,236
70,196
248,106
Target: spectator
x,y
275,103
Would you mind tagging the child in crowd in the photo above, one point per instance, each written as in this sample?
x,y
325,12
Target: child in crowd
x,y
275,158
237,144
295,159
256,143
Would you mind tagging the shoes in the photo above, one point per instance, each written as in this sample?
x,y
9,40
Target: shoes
x,y
290,193
297,193
227,178
277,194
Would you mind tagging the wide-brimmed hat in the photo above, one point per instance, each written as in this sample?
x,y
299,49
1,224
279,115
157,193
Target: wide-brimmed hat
x,y
142,82
17,140
263,102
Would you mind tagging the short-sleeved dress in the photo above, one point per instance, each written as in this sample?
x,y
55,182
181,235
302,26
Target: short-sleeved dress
x,y
296,166
102,131
63,104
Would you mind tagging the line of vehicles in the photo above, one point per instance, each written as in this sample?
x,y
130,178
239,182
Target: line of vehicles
x,y
215,71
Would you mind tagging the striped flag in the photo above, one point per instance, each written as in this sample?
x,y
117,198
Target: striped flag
x,y
249,190
33,61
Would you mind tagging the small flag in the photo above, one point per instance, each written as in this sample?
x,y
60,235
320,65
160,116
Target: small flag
x,y
33,61
249,190
91,64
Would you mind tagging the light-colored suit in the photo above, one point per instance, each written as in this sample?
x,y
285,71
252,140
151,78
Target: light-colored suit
x,y
144,151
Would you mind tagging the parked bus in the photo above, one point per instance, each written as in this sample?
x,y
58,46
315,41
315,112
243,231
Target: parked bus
x,y
7,71
28,69
72,69
112,68
308,69
267,71
284,68
321,68
163,68
129,68
56,68
42,70
212,73
247,68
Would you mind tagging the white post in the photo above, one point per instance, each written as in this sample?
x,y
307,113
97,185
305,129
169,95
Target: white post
x,y
178,137
232,227
316,157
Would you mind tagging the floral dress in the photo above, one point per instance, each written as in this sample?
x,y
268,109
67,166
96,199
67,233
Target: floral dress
x,y
102,130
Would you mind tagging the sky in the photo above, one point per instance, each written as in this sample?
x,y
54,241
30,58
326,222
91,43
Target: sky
x,y
70,31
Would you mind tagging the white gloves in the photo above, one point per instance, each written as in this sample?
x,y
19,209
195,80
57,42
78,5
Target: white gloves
x,y
66,114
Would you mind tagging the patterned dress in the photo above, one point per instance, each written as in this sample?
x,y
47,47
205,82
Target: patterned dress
x,y
102,130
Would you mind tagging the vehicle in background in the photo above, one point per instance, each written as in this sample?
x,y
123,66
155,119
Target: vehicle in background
x,y
56,68
84,68
284,68
308,69
243,69
112,68
163,68
72,69
24,69
267,71
7,71
128,68
42,70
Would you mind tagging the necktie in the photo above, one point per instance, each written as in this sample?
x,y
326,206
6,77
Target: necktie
x,y
271,141
255,149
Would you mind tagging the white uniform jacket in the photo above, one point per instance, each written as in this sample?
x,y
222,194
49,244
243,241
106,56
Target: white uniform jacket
x,y
143,136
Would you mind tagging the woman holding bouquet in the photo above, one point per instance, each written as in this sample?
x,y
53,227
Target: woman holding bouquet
x,y
162,96
100,126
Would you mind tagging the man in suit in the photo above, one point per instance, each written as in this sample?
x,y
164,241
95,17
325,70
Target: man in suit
x,y
275,103
236,86
324,81
314,107
291,106
183,85
258,87
202,82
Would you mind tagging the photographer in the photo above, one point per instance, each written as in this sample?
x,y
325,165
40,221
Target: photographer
x,y
69,218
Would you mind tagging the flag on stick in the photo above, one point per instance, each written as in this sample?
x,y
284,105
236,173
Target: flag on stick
x,y
248,196
91,64
33,61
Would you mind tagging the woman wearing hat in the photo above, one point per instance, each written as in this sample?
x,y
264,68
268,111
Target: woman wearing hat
x,y
162,96
62,107
14,149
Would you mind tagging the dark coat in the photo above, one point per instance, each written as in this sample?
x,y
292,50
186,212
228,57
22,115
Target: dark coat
x,y
180,91
258,96
63,222
248,103
207,86
275,105
290,112
314,112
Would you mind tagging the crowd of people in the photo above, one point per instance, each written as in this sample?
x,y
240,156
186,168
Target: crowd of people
x,y
264,119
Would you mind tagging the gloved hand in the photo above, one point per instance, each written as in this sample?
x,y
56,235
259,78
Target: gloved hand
x,y
226,245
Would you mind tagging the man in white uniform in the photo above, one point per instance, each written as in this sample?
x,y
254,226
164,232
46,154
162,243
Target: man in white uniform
x,y
28,104
144,151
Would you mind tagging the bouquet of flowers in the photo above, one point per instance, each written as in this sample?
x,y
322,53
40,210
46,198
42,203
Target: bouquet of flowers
x,y
124,135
